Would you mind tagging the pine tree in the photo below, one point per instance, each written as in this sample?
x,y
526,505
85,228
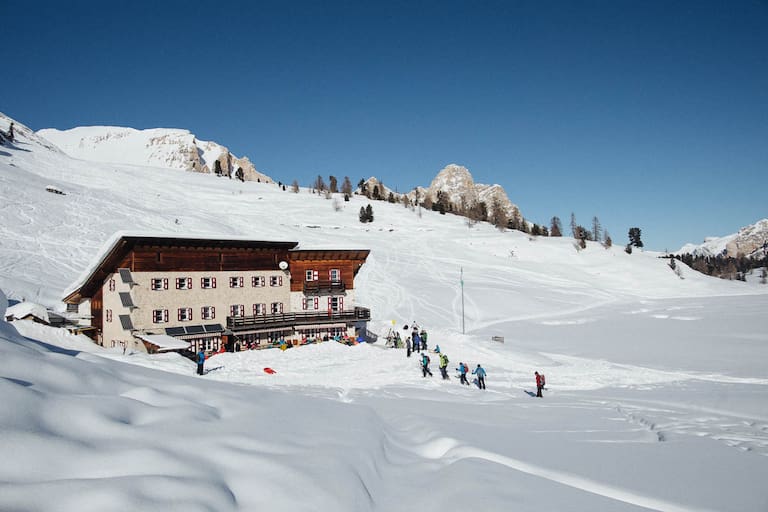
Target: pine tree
x,y
217,168
333,184
555,227
295,187
596,229
573,226
240,174
634,237
607,241
319,184
376,192
346,187
499,217
363,217
369,213
391,198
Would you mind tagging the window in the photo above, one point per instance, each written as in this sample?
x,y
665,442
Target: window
x,y
334,274
259,309
183,283
111,285
207,282
237,310
312,275
235,282
275,280
277,307
159,316
310,302
159,283
335,303
257,281
108,315
185,314
208,312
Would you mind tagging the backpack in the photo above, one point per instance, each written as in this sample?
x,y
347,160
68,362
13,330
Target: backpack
x,y
543,380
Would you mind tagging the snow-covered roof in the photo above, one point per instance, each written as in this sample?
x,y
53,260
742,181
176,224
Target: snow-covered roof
x,y
163,342
25,309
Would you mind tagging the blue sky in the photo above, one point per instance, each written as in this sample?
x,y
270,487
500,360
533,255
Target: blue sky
x,y
647,114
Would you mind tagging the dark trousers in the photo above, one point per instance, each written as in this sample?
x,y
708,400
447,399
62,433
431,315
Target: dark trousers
x,y
409,351
444,372
538,392
464,379
425,371
481,382
200,368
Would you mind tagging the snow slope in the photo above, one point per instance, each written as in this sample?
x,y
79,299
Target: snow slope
x,y
657,389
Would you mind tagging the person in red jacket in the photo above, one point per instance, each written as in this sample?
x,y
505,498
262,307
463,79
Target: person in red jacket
x,y
539,384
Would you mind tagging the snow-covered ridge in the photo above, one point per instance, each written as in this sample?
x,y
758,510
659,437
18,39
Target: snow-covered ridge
x,y
168,148
750,241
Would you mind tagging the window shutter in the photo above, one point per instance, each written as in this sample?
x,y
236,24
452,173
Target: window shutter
x,y
317,302
165,283
240,282
213,312
315,275
341,303
202,312
179,314
189,313
178,283
165,315
202,282
304,303
281,304
213,282
280,281
253,281
189,283
263,308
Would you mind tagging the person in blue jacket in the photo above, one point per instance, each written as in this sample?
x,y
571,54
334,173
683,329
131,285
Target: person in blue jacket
x,y
200,362
480,372
462,369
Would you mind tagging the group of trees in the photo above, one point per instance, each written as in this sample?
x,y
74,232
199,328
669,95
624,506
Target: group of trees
x,y
366,214
724,267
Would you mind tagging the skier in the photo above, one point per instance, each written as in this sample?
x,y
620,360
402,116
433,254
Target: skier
x,y
425,365
408,346
444,366
539,384
416,340
462,369
480,372
424,335
200,361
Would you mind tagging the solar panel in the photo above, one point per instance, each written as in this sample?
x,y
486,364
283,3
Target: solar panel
x,y
213,328
174,331
125,275
125,299
125,321
195,329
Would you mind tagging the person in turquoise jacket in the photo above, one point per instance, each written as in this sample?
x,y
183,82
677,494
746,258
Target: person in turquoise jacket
x,y
480,372
200,362
425,365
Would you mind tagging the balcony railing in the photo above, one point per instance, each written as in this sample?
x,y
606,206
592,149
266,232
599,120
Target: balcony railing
x,y
331,286
278,320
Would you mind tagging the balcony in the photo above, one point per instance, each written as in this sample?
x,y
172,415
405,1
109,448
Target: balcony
x,y
321,287
281,320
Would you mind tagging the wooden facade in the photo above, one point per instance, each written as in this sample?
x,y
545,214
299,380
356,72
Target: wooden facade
x,y
122,294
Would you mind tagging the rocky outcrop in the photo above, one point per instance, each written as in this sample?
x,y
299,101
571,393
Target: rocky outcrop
x,y
750,241
158,147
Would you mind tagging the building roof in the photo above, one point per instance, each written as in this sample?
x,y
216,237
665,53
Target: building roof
x,y
25,309
121,244
163,342
328,254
